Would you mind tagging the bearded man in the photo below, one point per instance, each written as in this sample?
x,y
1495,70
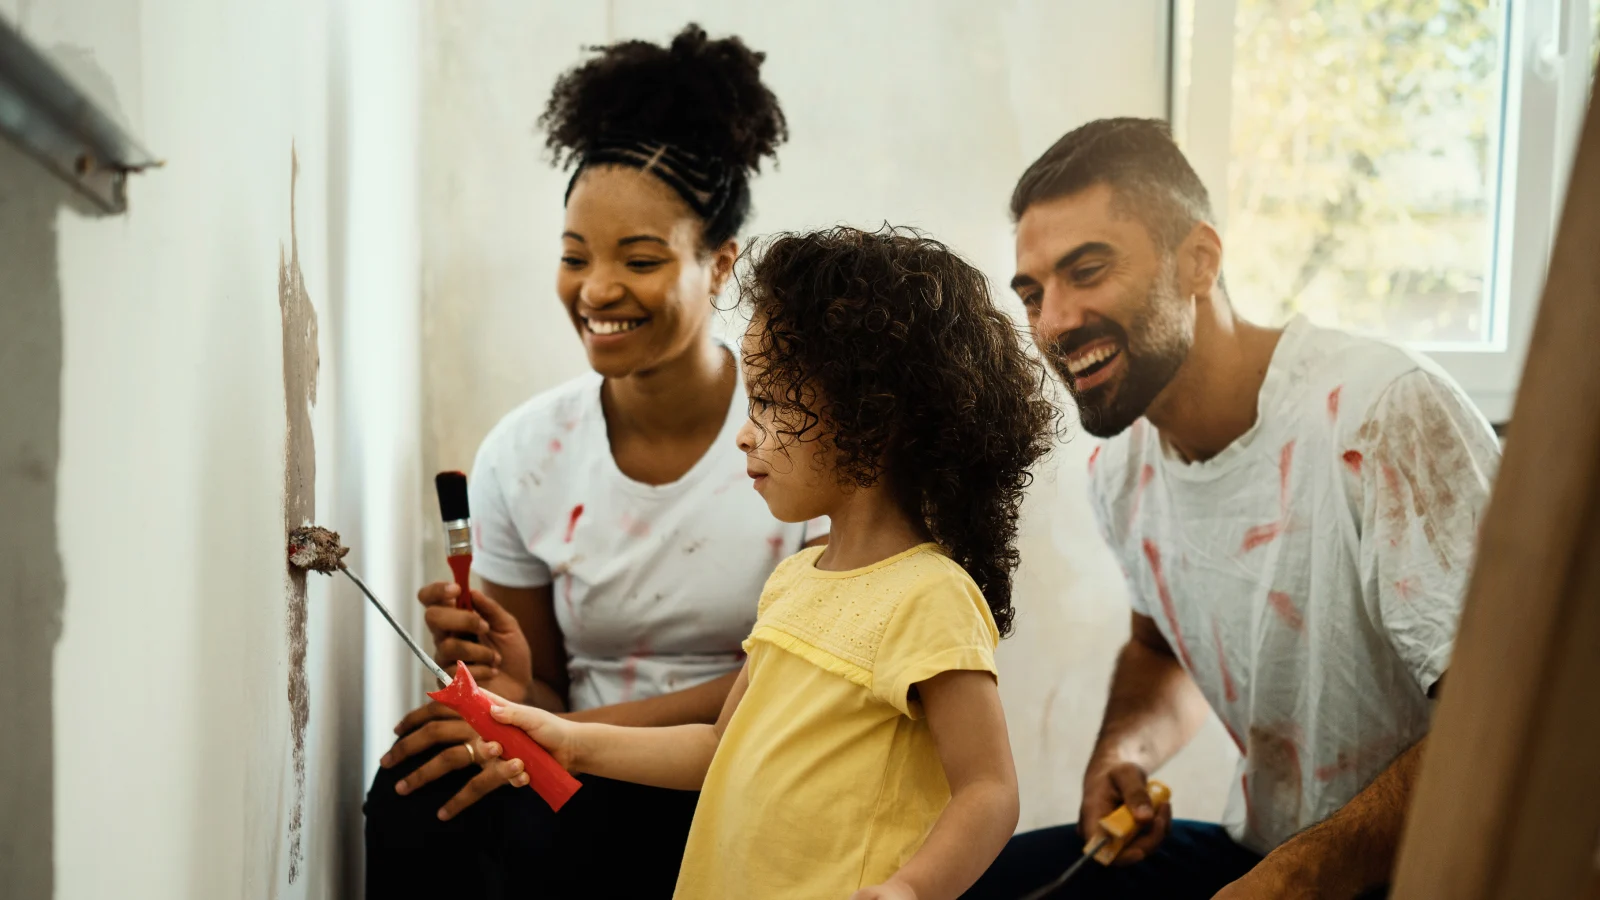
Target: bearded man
x,y
1296,511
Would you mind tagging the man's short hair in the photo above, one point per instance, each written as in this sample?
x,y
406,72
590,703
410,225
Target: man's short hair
x,y
1148,175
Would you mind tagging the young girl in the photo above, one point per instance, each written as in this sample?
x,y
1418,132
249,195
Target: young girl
x,y
862,751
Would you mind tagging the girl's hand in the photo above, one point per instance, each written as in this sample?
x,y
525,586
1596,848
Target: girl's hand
x,y
889,890
548,730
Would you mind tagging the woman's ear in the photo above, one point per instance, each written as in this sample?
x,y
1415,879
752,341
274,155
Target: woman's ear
x,y
722,262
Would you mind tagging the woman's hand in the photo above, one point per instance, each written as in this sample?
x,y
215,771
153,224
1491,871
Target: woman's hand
x,y
550,731
892,890
435,724
499,659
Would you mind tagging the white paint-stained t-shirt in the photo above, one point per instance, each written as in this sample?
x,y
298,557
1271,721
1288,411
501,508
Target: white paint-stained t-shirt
x,y
1310,576
655,587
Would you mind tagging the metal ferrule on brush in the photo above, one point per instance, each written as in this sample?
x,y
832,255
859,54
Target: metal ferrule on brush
x,y
458,533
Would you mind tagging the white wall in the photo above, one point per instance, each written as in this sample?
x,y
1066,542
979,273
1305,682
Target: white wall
x,y
172,767
917,113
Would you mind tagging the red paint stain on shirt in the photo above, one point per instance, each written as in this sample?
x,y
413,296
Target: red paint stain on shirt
x,y
776,543
1092,457
1406,589
555,446
1229,688
1261,535
1234,736
1153,554
1352,461
563,573
1285,462
630,670
1146,475
572,521
1366,757
1333,402
634,528
1283,605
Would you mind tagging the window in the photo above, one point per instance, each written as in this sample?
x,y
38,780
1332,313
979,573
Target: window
x,y
1392,167
1361,164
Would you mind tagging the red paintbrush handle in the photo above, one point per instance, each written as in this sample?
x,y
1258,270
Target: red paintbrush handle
x,y
462,567
555,784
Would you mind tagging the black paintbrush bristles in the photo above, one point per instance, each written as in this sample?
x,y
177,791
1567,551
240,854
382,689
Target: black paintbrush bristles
x,y
452,495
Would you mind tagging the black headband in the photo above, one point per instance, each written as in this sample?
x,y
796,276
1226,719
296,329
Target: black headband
x,y
704,183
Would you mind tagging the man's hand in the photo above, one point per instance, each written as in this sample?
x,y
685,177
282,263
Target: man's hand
x,y
1109,785
499,659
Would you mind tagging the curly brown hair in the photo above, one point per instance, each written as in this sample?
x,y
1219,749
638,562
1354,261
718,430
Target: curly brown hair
x,y
892,344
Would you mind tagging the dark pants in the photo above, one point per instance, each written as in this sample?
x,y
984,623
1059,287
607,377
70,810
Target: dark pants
x,y
1195,861
612,839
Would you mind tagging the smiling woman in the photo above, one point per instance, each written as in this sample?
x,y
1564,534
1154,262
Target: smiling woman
x,y
621,569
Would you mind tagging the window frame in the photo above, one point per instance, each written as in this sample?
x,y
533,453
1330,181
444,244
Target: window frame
x,y
1545,92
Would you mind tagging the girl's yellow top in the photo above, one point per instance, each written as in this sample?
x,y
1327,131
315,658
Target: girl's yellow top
x,y
827,778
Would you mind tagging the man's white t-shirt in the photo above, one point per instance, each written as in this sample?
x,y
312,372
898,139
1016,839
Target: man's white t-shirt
x,y
1310,576
655,586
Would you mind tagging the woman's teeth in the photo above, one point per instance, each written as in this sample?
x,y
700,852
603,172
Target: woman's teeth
x,y
612,326
1078,364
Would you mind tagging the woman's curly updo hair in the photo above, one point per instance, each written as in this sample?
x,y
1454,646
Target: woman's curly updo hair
x,y
699,96
889,346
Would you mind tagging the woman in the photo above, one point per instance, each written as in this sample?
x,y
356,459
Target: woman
x,y
621,550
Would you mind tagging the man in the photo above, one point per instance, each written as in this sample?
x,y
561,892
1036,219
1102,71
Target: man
x,y
1296,511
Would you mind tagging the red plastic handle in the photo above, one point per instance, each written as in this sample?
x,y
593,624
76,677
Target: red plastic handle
x,y
546,776
461,566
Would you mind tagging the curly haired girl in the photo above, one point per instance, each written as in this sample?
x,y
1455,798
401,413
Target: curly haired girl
x,y
862,751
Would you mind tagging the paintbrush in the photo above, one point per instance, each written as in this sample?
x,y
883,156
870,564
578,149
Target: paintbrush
x,y
452,489
319,550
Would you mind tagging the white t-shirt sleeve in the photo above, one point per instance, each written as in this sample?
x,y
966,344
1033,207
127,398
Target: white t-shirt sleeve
x,y
1102,519
499,553
1426,462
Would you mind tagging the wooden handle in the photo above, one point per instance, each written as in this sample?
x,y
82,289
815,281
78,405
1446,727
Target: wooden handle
x,y
1120,827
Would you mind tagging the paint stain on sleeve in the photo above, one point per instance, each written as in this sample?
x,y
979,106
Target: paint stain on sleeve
x,y
572,522
1333,402
1423,457
300,365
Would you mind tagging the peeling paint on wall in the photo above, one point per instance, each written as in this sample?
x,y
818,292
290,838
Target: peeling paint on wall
x,y
300,364
33,591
